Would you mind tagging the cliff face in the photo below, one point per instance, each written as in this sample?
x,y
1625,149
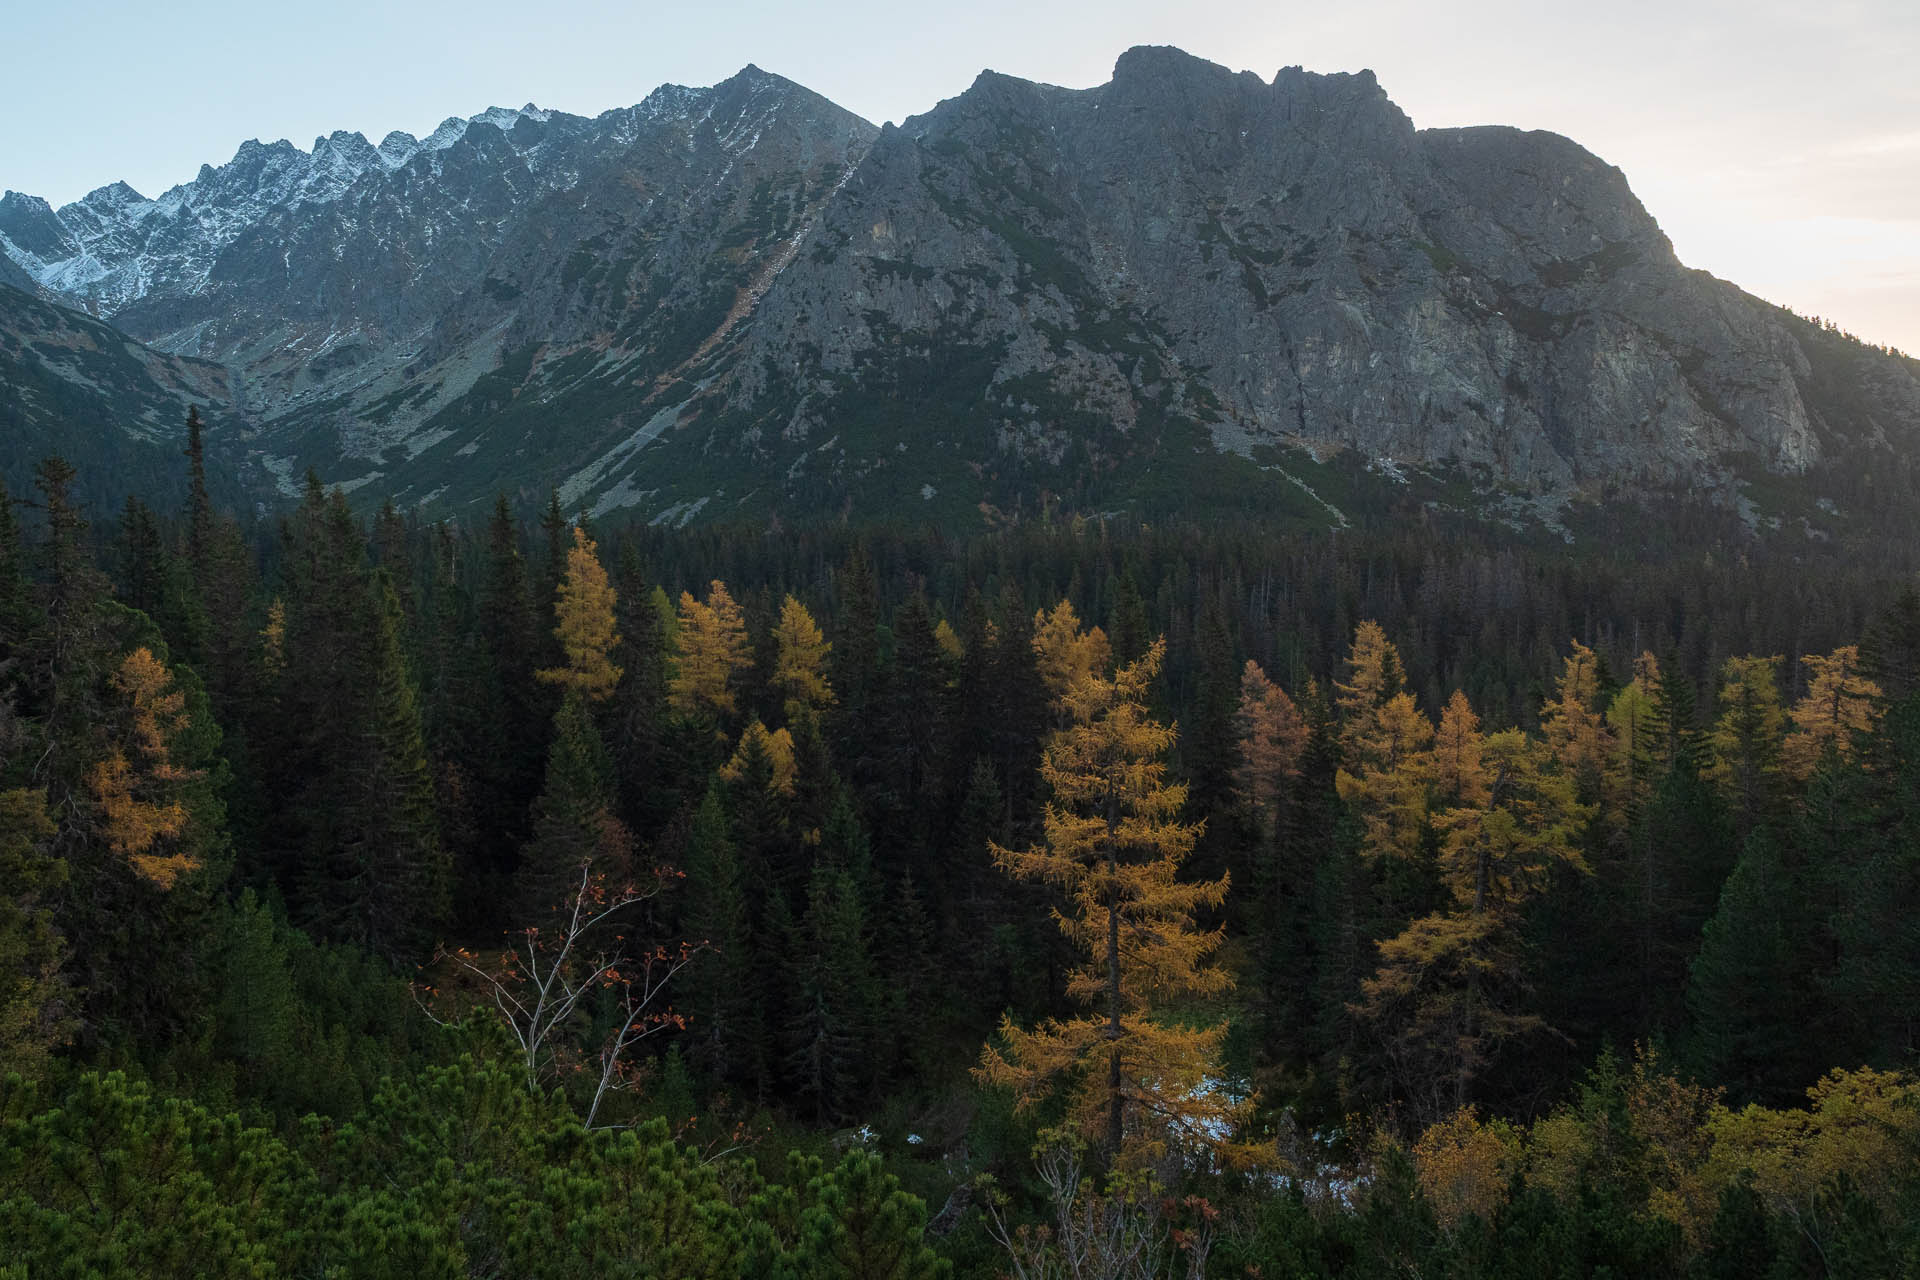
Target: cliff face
x,y
1320,269
1181,284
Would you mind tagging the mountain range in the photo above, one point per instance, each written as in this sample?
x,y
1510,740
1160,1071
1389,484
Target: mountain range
x,y
1187,289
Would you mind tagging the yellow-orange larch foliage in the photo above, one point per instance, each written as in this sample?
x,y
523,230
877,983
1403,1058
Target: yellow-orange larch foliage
x,y
1840,702
1383,744
584,623
1633,718
949,641
134,786
1576,732
1437,993
1273,734
1064,653
1861,1124
1466,1167
1499,852
800,660
1458,771
1114,844
711,641
776,746
1373,675
1387,785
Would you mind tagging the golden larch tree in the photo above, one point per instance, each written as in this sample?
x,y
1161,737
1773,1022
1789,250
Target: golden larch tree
x,y
136,784
1577,733
1272,734
584,623
1440,994
951,647
1374,674
1457,768
1064,653
1387,785
1840,702
710,640
1383,746
800,660
273,641
1136,1079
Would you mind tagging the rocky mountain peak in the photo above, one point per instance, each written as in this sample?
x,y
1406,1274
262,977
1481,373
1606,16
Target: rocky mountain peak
x,y
743,297
1164,64
31,229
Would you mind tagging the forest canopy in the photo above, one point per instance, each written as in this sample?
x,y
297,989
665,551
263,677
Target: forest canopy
x,y
543,899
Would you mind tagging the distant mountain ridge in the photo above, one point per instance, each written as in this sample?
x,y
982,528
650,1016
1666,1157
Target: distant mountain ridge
x,y
1181,288
113,407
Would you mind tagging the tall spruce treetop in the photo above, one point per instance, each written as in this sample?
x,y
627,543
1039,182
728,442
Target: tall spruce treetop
x,y
199,504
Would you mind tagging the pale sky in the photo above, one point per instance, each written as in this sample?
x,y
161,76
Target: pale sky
x,y
1777,143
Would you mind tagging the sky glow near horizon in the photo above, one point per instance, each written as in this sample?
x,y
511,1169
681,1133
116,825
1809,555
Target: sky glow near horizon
x,y
1777,144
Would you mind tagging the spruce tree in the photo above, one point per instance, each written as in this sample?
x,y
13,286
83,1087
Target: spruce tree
x,y
573,820
255,1011
1127,621
200,519
724,991
640,703
35,1008
1751,992
392,885
1211,750
903,803
829,1029
18,615
512,645
143,569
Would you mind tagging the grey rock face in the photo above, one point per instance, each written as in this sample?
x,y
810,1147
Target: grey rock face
x,y
1327,272
744,297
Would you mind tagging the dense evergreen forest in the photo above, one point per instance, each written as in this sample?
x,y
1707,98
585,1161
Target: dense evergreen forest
x,y
525,898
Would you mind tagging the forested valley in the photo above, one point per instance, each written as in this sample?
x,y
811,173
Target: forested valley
x,y
523,897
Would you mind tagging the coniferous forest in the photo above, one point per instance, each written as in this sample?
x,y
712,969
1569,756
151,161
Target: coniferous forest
x,y
524,897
